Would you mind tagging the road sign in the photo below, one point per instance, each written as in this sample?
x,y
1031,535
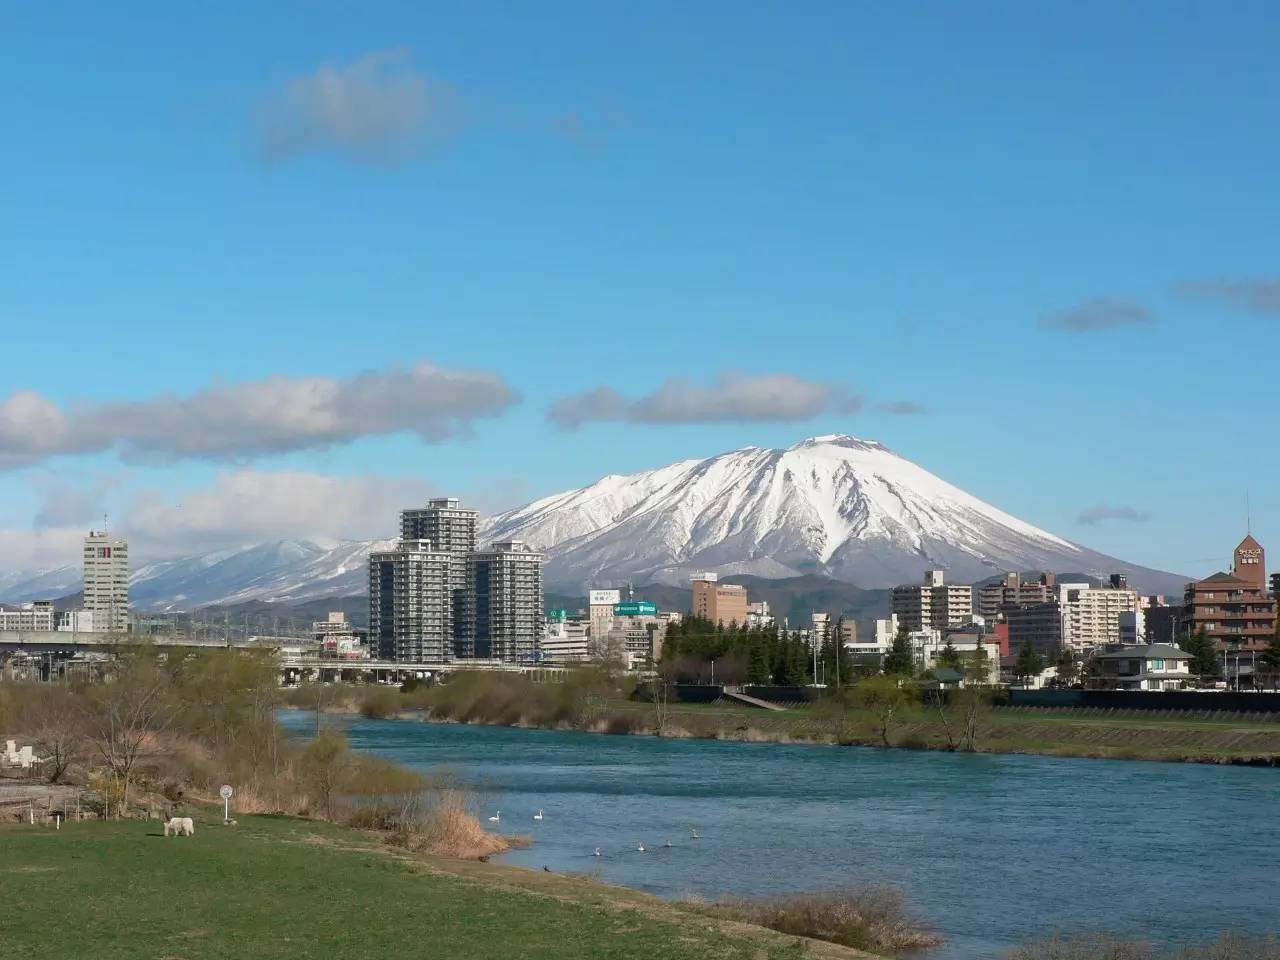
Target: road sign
x,y
225,793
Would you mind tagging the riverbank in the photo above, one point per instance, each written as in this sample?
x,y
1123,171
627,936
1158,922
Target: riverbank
x,y
1066,733
277,887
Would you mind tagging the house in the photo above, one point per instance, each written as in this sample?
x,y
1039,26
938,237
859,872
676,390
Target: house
x,y
1152,666
945,678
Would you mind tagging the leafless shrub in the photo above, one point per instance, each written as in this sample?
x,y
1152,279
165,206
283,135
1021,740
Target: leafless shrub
x,y
441,821
869,918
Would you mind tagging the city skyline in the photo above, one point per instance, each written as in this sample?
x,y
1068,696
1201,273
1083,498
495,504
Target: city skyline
x,y
305,274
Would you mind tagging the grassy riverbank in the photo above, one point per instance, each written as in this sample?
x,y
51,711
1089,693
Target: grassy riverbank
x,y
1128,737
598,705
283,887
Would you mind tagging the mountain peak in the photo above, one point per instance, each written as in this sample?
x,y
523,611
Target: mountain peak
x,y
838,440
834,505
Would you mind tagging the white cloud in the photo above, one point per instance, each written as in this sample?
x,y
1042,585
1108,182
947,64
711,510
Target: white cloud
x,y
734,397
375,109
249,506
275,415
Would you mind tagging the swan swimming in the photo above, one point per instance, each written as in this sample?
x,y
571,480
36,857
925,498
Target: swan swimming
x,y
538,815
694,834
496,816
640,849
596,852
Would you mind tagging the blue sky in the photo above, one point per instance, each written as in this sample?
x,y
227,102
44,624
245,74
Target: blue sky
x,y
1040,224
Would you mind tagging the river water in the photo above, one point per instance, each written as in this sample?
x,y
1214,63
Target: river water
x,y
991,850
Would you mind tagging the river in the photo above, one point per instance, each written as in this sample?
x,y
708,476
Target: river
x,y
990,849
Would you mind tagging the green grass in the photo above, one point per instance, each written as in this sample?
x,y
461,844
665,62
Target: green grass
x,y
283,888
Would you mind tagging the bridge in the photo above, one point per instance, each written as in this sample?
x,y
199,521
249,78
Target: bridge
x,y
85,641
59,650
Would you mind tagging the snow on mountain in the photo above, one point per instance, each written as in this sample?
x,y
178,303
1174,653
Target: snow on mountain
x,y
835,505
282,570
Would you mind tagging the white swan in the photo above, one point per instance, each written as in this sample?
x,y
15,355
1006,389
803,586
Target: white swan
x,y
538,815
694,834
668,844
596,852
496,816
640,849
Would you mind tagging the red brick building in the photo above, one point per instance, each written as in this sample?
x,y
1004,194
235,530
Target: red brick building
x,y
1234,608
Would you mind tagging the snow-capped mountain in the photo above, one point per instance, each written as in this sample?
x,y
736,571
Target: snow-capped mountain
x,y
850,509
280,571
838,506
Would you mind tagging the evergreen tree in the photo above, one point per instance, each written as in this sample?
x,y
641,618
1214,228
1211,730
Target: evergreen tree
x,y
901,660
758,670
950,656
1204,655
1066,665
1028,664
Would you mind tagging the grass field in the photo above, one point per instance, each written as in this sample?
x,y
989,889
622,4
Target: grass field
x,y
278,887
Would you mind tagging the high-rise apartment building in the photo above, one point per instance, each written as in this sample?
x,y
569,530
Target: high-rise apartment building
x,y
504,604
722,603
1234,608
412,602
994,596
106,581
450,528
1094,617
935,604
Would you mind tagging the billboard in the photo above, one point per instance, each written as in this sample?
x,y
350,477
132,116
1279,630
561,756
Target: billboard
x,y
636,608
599,598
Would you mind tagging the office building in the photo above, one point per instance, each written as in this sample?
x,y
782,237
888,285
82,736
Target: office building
x,y
106,581
1038,625
600,604
412,609
636,641
1233,609
504,605
566,639
74,621
29,617
935,604
722,603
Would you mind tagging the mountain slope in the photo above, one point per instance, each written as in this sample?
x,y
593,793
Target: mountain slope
x,y
837,506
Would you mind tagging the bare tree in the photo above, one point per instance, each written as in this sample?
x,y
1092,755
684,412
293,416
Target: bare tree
x,y
57,727
327,765
133,706
885,697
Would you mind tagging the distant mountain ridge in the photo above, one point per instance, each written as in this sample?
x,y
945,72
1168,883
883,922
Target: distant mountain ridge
x,y
832,507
